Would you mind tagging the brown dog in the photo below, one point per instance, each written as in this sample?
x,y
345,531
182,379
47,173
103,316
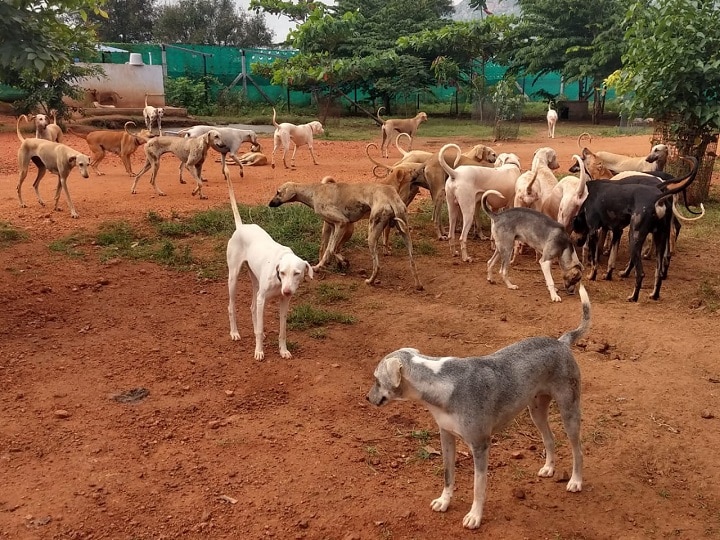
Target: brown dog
x,y
122,143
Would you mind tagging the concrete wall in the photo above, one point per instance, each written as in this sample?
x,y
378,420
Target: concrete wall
x,y
131,82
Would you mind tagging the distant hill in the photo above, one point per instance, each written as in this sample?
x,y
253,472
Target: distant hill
x,y
463,12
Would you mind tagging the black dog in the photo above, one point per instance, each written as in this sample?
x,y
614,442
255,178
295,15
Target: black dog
x,y
613,205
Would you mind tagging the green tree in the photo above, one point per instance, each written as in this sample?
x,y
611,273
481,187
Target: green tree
x,y
127,21
671,69
295,11
581,40
211,22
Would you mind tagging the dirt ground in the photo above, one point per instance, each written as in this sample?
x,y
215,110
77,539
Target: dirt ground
x,y
224,446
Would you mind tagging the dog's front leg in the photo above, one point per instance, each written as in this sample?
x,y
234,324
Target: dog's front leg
x,y
480,459
62,184
447,442
258,312
282,337
546,270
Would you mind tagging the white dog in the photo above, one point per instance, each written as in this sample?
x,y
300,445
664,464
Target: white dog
x,y
274,271
552,118
286,133
466,184
535,185
153,115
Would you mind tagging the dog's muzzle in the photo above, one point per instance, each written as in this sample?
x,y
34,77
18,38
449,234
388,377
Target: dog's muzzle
x,y
274,202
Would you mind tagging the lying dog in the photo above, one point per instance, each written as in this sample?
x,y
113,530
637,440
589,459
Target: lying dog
x,y
122,143
153,115
341,205
190,151
472,398
274,271
654,161
253,159
286,133
398,125
48,155
540,232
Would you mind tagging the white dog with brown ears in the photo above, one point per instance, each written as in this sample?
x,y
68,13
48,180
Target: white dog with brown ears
x,y
153,115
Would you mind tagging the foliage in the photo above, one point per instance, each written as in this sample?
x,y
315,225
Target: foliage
x,y
10,235
43,38
193,94
211,22
667,70
127,21
296,12
581,40
507,100
305,316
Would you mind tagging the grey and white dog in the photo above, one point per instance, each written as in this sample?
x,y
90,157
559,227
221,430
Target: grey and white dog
x,y
472,398
540,232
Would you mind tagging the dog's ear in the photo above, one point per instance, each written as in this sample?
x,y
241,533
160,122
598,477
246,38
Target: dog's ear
x,y
310,273
394,366
72,160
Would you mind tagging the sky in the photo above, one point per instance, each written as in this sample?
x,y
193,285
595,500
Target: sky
x,y
282,25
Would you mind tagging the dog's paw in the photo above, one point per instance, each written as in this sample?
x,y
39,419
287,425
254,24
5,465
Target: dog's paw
x,y
235,336
555,298
546,471
259,354
472,520
440,504
285,354
574,485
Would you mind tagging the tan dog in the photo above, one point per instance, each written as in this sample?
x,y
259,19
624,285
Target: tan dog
x,y
48,155
286,133
400,125
654,161
341,205
122,143
413,157
44,129
254,159
191,151
535,185
435,176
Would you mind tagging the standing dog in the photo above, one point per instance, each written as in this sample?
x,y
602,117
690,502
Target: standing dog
x,y
153,115
43,128
472,398
274,271
122,143
286,133
190,151
233,139
341,205
552,118
535,185
399,125
540,232
48,155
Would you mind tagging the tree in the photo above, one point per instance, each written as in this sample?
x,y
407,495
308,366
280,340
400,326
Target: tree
x,y
127,21
211,22
43,38
669,72
581,40
296,12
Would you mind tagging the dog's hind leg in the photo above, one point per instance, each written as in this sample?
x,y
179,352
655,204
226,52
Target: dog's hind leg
x,y
232,288
36,184
447,444
402,226
539,413
505,255
568,403
376,225
636,242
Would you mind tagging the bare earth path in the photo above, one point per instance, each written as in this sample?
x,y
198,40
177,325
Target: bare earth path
x,y
227,447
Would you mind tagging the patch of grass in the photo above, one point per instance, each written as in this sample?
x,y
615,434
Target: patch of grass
x,y
710,294
68,246
707,227
116,234
10,235
305,316
423,436
318,333
331,293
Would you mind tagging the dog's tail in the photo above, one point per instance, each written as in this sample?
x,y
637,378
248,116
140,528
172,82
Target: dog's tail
x,y
233,202
273,120
77,133
485,206
397,142
378,114
441,157
678,215
683,181
571,337
146,96
582,136
17,126
378,165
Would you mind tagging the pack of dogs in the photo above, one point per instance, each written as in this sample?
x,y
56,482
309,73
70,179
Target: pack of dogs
x,y
470,398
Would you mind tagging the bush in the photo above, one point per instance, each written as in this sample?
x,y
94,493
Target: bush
x,y
193,94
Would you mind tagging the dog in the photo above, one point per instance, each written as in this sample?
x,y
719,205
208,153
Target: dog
x,y
472,398
435,176
122,143
568,196
540,232
400,125
552,118
232,139
654,161
286,133
275,271
341,205
612,206
253,159
535,185
49,156
104,98
411,157
44,129
190,151
153,115
466,184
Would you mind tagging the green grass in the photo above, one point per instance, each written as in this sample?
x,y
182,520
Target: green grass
x,y
69,246
9,235
305,316
331,293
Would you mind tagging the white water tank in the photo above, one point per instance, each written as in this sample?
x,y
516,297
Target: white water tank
x,y
136,59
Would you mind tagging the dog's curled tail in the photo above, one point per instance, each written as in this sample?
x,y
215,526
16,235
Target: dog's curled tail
x,y
273,120
485,206
378,114
571,337
17,126
441,158
582,136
